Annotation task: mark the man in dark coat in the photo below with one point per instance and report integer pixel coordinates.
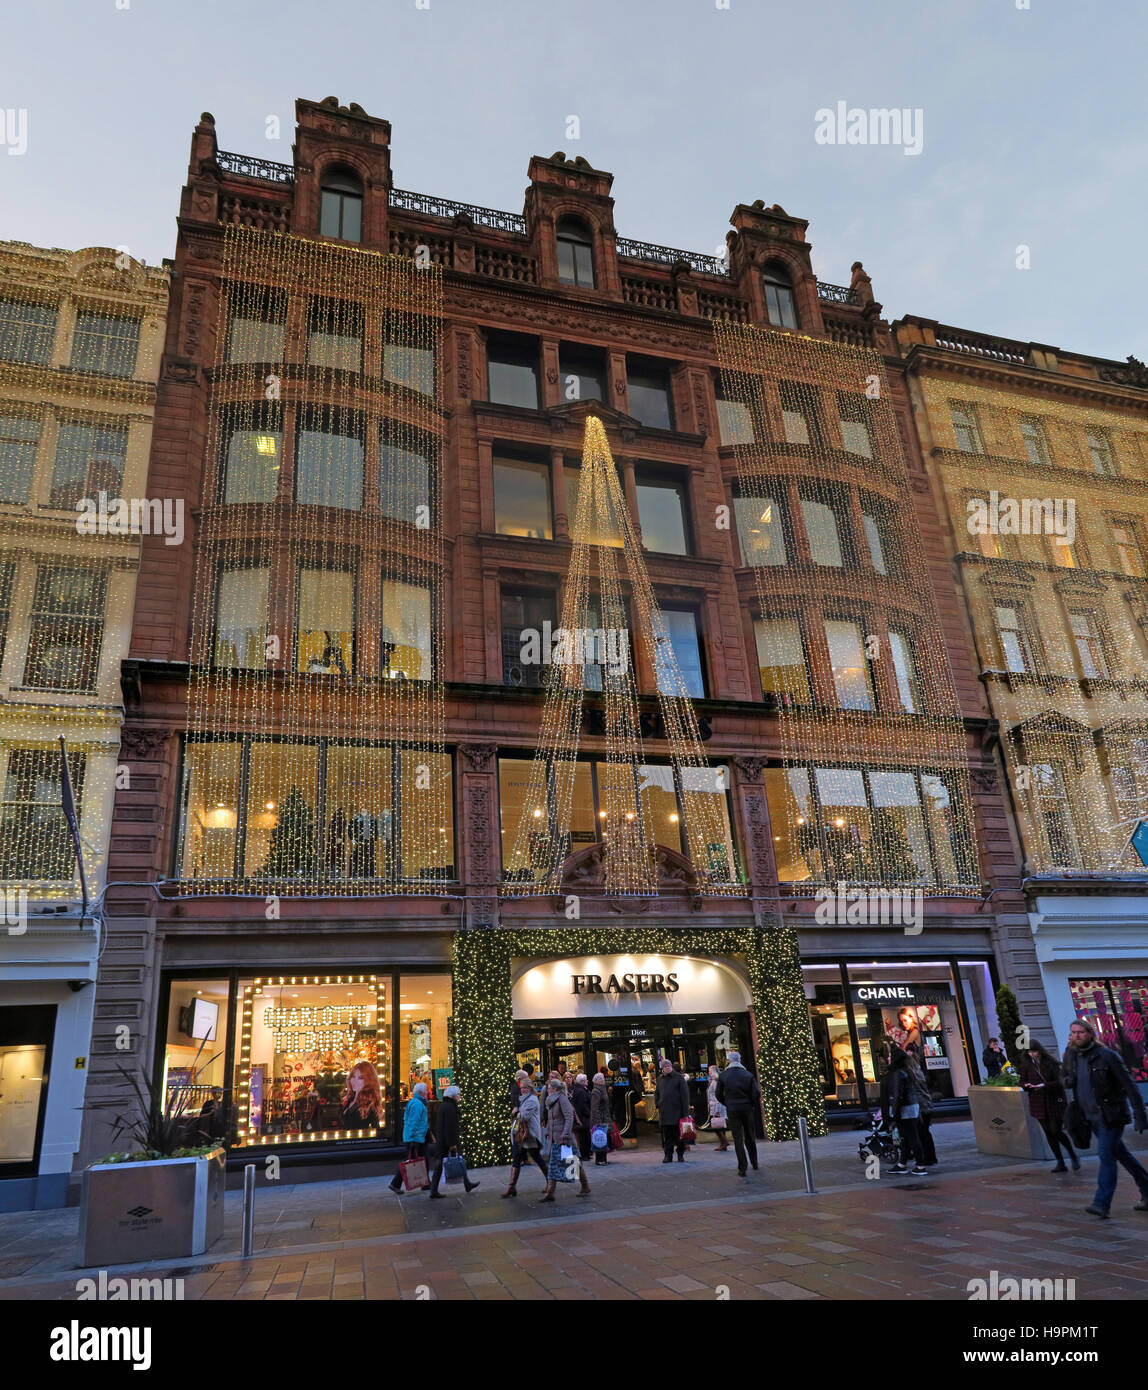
(1104, 1090)
(447, 1135)
(580, 1100)
(672, 1098)
(738, 1091)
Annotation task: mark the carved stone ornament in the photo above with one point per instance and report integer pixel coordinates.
(136, 741)
(478, 755)
(751, 768)
(585, 870)
(984, 780)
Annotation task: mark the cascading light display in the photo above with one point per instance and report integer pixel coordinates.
(849, 639)
(315, 759)
(598, 635)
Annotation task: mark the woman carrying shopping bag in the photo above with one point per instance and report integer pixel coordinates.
(564, 1165)
(415, 1136)
(718, 1122)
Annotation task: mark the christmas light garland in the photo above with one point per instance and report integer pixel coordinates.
(483, 1055)
(866, 706)
(318, 612)
(1075, 719)
(543, 833)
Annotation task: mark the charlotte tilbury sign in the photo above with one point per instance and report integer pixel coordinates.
(611, 986)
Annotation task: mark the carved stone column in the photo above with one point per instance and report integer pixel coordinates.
(481, 853)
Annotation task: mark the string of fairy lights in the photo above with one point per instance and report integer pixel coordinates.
(318, 616)
(1048, 511)
(850, 644)
(595, 603)
(76, 396)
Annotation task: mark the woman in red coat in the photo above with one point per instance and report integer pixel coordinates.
(1047, 1101)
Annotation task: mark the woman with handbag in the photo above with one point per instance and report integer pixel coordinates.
(448, 1137)
(924, 1099)
(718, 1119)
(1047, 1102)
(526, 1136)
(600, 1117)
(560, 1129)
(416, 1126)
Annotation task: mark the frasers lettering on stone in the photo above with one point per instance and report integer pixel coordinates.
(625, 984)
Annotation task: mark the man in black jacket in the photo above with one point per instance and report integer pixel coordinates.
(672, 1098)
(738, 1091)
(447, 1135)
(1103, 1089)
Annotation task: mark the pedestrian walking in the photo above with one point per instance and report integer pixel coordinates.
(416, 1127)
(738, 1091)
(1047, 1101)
(718, 1120)
(672, 1097)
(514, 1090)
(924, 1096)
(580, 1100)
(526, 1137)
(600, 1114)
(447, 1138)
(560, 1129)
(993, 1057)
(905, 1112)
(1104, 1091)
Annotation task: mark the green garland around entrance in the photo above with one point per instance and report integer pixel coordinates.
(484, 1056)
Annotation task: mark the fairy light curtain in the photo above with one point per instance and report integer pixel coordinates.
(1049, 510)
(596, 635)
(315, 755)
(849, 641)
(69, 346)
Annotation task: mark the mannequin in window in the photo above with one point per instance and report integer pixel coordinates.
(363, 829)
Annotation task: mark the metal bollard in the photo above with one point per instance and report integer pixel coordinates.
(806, 1156)
(248, 1210)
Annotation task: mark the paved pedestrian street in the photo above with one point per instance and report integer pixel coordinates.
(653, 1231)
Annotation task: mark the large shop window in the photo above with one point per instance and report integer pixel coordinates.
(832, 824)
(194, 1056)
(312, 1059)
(1118, 1010)
(25, 1054)
(265, 810)
(35, 842)
(908, 1006)
(665, 800)
(423, 1019)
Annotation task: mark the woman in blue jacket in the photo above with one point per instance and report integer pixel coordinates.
(415, 1122)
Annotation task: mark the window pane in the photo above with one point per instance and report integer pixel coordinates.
(682, 631)
(406, 635)
(524, 616)
(211, 773)
(404, 483)
(850, 668)
(781, 661)
(965, 429)
(821, 528)
(650, 398)
(328, 470)
(67, 624)
(88, 461)
(735, 422)
(704, 794)
(596, 524)
(424, 1015)
(522, 499)
(426, 801)
(410, 366)
(512, 374)
(661, 514)
(255, 340)
(514, 800)
(325, 622)
(359, 830)
(873, 536)
(566, 272)
(241, 618)
(846, 824)
(656, 783)
(779, 305)
(760, 533)
(26, 332)
(253, 466)
(950, 835)
(900, 842)
(1014, 646)
(796, 425)
(35, 841)
(193, 1079)
(19, 439)
(282, 832)
(905, 672)
(105, 345)
(796, 846)
(583, 376)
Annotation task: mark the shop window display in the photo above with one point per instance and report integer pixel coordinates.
(1118, 1010)
(424, 1014)
(312, 1059)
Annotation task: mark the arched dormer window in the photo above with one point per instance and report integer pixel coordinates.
(575, 254)
(779, 305)
(341, 206)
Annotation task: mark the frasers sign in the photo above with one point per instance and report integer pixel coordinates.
(614, 986)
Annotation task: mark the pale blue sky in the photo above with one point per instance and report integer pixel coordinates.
(1034, 127)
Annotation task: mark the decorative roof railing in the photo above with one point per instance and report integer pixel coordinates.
(982, 345)
(252, 168)
(448, 208)
(670, 255)
(836, 294)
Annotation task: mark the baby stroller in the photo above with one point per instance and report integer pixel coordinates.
(882, 1141)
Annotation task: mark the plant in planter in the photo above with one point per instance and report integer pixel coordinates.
(162, 1196)
(1008, 1016)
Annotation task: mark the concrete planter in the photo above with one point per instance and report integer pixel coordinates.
(1002, 1124)
(157, 1209)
